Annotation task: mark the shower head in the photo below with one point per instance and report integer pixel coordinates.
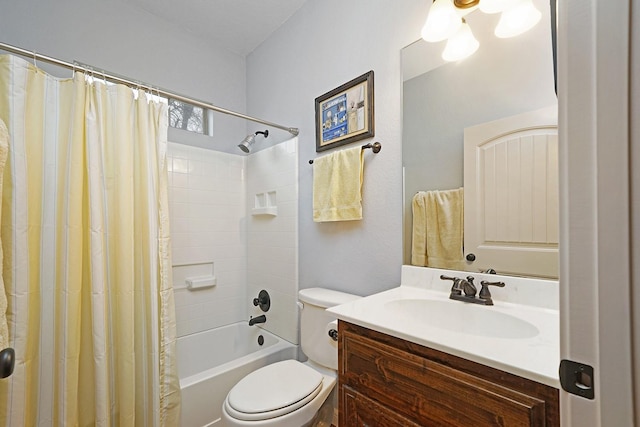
(246, 143)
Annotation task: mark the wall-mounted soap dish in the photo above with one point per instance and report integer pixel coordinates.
(265, 204)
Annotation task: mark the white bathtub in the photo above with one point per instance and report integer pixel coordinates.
(210, 363)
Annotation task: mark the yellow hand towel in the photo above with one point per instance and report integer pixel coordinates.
(337, 186)
(438, 239)
(4, 330)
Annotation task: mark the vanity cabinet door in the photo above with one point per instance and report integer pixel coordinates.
(430, 388)
(361, 411)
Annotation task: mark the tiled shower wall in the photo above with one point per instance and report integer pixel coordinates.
(214, 232)
(273, 239)
(208, 231)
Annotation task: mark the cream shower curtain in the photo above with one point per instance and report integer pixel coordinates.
(85, 238)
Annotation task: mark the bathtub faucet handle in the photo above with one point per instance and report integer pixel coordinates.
(263, 300)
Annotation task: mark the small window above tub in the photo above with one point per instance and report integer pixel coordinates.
(189, 117)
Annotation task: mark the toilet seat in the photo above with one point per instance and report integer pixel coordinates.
(273, 391)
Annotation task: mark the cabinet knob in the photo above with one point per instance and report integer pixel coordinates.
(471, 257)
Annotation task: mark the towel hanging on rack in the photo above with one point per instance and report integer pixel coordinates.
(337, 186)
(438, 229)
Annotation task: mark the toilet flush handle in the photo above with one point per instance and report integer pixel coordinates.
(333, 334)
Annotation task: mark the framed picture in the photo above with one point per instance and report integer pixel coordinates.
(345, 114)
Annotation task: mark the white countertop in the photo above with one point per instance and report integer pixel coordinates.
(536, 356)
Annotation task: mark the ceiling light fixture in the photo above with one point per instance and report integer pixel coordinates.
(445, 22)
(442, 21)
(517, 19)
(494, 6)
(460, 45)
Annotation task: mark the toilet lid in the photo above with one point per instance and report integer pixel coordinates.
(274, 390)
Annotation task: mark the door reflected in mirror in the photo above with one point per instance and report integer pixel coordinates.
(504, 78)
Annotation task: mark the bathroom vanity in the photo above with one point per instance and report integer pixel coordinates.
(410, 356)
(386, 381)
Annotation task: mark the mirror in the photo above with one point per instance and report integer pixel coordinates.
(503, 78)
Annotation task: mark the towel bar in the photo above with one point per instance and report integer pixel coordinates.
(376, 147)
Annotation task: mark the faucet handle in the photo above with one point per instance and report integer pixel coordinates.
(484, 292)
(455, 288)
(468, 286)
(263, 300)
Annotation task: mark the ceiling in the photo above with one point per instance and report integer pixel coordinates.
(237, 25)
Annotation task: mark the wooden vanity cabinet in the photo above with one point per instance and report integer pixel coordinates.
(384, 381)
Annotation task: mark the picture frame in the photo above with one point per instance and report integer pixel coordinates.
(345, 114)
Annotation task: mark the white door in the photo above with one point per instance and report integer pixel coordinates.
(599, 144)
(511, 194)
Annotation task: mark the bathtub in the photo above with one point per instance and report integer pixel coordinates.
(210, 363)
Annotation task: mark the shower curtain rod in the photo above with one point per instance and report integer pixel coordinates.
(135, 84)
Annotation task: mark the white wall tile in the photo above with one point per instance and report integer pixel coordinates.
(195, 198)
(211, 196)
(180, 180)
(272, 241)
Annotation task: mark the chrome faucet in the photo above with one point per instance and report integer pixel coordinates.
(467, 287)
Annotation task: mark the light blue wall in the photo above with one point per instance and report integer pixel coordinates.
(325, 44)
(122, 39)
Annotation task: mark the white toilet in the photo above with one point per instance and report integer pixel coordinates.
(290, 393)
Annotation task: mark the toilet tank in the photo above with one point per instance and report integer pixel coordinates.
(317, 345)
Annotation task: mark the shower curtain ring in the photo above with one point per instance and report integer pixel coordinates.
(35, 62)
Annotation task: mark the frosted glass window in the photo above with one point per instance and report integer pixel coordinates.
(185, 116)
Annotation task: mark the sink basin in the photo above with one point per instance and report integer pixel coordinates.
(462, 318)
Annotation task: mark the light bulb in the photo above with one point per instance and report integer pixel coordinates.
(442, 21)
(460, 45)
(518, 19)
(495, 6)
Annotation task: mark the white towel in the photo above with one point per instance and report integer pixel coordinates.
(337, 186)
(438, 225)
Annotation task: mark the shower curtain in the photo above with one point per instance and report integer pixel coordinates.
(86, 254)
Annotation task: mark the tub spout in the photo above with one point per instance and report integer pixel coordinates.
(259, 319)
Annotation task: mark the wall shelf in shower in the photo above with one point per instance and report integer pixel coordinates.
(271, 211)
(265, 204)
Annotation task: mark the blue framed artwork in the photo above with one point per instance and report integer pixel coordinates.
(345, 114)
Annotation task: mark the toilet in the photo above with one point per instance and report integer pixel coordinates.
(290, 393)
